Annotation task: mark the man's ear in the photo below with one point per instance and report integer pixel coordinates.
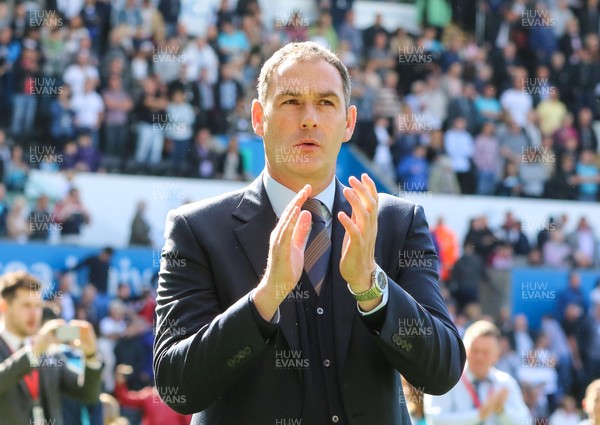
(258, 114)
(350, 123)
(3, 305)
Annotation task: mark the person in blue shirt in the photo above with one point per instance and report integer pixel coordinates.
(588, 176)
(413, 171)
(572, 294)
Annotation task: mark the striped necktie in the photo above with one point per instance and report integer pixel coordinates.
(318, 247)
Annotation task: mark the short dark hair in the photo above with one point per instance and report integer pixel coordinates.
(306, 51)
(11, 282)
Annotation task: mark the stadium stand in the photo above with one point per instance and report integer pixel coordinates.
(489, 98)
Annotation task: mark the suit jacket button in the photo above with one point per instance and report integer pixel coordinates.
(335, 419)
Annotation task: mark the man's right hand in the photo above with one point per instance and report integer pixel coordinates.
(286, 256)
(486, 409)
(501, 397)
(46, 336)
(494, 404)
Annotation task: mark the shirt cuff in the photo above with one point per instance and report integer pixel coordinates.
(266, 328)
(383, 303)
(93, 363)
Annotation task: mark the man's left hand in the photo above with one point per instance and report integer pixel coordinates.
(358, 248)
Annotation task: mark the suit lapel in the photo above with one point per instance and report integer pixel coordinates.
(5, 352)
(344, 305)
(259, 220)
(47, 375)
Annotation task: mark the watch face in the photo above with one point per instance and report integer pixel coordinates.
(381, 280)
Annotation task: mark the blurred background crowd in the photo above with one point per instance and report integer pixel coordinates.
(497, 98)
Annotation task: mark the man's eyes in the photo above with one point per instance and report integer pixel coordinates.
(326, 102)
(295, 102)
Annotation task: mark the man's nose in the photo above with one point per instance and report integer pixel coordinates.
(309, 118)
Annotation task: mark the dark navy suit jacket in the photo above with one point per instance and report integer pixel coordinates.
(209, 348)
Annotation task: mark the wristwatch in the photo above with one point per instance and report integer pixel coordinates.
(378, 285)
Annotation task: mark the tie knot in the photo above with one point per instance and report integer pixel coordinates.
(313, 206)
(478, 382)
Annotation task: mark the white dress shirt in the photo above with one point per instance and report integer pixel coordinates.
(13, 341)
(457, 406)
(280, 196)
(16, 343)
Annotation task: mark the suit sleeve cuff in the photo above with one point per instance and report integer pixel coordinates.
(267, 329)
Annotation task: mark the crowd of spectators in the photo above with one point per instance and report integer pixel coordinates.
(124, 324)
(123, 86)
(102, 86)
(45, 221)
(555, 363)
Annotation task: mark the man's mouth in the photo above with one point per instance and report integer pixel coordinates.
(308, 142)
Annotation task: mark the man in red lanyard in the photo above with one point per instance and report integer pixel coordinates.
(33, 372)
(591, 404)
(484, 394)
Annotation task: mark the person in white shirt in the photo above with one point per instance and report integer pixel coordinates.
(516, 101)
(89, 111)
(591, 404)
(383, 155)
(460, 147)
(199, 54)
(112, 328)
(566, 414)
(76, 74)
(538, 371)
(69, 8)
(484, 394)
(180, 127)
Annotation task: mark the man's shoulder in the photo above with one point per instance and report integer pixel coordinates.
(502, 377)
(396, 205)
(386, 199)
(220, 204)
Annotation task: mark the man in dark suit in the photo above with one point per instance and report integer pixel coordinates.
(32, 374)
(314, 323)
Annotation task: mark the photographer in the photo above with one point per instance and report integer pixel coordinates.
(33, 372)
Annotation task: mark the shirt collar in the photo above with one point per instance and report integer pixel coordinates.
(280, 195)
(13, 341)
(471, 377)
